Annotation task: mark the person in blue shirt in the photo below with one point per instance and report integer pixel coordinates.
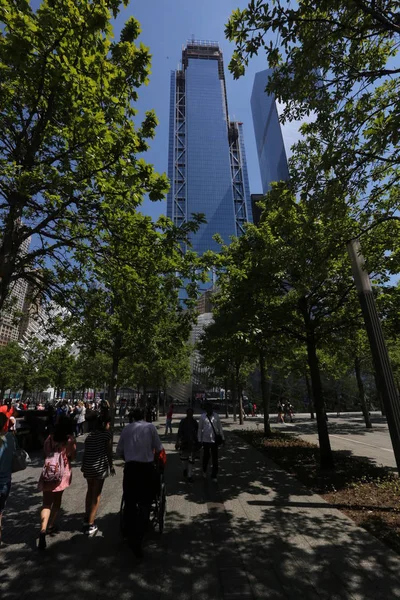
(7, 447)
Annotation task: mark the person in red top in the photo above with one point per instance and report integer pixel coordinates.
(9, 412)
(168, 424)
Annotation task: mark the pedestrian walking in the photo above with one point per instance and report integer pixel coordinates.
(122, 410)
(168, 423)
(210, 436)
(187, 443)
(280, 408)
(105, 411)
(12, 424)
(7, 449)
(59, 450)
(97, 464)
(79, 416)
(9, 411)
(139, 446)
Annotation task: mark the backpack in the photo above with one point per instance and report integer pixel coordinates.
(54, 466)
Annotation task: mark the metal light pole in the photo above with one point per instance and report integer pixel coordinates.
(379, 351)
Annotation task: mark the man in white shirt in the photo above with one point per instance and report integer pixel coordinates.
(139, 446)
(211, 436)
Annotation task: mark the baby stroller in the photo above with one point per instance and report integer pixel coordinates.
(159, 504)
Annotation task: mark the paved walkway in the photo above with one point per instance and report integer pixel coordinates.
(258, 534)
(347, 433)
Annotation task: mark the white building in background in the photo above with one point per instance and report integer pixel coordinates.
(183, 392)
(11, 315)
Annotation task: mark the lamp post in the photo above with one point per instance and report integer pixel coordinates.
(379, 351)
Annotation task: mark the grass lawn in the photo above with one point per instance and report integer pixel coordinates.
(369, 494)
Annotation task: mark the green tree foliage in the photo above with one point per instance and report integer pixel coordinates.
(335, 60)
(35, 374)
(60, 364)
(128, 307)
(290, 280)
(226, 351)
(92, 371)
(69, 148)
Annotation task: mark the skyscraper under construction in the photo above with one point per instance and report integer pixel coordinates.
(207, 162)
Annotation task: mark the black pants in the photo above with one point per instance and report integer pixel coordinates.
(139, 486)
(213, 448)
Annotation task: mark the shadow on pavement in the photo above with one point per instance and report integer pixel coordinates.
(257, 534)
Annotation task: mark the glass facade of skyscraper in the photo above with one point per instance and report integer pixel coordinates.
(268, 133)
(207, 163)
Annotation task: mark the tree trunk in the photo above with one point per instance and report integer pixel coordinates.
(226, 398)
(239, 393)
(361, 393)
(24, 392)
(164, 408)
(10, 247)
(144, 397)
(83, 394)
(326, 457)
(240, 407)
(233, 390)
(112, 393)
(265, 394)
(158, 404)
(309, 394)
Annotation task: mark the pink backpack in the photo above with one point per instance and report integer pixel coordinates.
(54, 465)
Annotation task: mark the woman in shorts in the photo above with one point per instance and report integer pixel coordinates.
(60, 442)
(97, 462)
(7, 447)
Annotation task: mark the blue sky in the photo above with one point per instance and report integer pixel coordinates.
(166, 26)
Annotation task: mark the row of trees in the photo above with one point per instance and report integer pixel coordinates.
(31, 370)
(286, 291)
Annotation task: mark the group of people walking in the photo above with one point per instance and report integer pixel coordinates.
(207, 433)
(56, 476)
(285, 411)
(139, 445)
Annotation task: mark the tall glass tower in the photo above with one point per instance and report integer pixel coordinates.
(268, 133)
(207, 162)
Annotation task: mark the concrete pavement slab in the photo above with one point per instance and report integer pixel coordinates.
(256, 534)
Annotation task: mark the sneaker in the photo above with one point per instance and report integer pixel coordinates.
(91, 530)
(214, 479)
(42, 541)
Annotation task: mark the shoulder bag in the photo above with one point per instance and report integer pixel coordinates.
(218, 436)
(20, 458)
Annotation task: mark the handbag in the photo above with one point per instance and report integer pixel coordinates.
(20, 459)
(218, 437)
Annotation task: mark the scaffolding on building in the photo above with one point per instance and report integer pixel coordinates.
(238, 188)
